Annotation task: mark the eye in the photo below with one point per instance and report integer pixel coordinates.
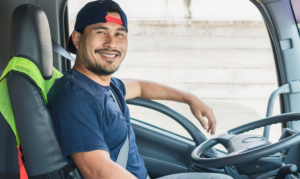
(119, 34)
(100, 32)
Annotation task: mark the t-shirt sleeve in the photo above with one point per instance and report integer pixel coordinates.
(119, 84)
(78, 124)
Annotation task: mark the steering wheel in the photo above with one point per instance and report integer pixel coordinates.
(246, 155)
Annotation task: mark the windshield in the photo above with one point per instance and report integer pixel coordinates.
(218, 50)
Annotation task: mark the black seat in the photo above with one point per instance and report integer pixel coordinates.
(30, 38)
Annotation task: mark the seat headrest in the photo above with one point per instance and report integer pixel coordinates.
(30, 37)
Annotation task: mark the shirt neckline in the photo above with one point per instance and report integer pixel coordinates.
(87, 82)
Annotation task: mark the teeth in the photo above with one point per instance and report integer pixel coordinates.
(107, 55)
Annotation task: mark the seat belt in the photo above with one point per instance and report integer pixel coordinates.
(123, 153)
(60, 50)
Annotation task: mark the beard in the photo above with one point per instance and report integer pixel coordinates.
(99, 69)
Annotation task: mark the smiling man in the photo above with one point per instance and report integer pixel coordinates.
(91, 126)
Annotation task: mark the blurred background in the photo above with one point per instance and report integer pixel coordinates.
(218, 50)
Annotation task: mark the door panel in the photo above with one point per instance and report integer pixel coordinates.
(162, 150)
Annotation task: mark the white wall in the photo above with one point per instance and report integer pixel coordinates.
(227, 10)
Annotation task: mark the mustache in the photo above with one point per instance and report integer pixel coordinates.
(107, 50)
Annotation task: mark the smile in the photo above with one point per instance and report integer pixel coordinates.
(109, 55)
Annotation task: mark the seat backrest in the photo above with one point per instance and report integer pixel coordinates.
(30, 38)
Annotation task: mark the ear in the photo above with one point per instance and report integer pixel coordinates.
(76, 38)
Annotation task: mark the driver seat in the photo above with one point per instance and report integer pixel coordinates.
(31, 43)
(31, 39)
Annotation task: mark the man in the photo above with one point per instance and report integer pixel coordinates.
(89, 125)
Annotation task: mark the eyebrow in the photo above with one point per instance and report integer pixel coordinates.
(100, 27)
(122, 29)
(105, 28)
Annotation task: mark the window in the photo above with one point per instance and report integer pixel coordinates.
(157, 119)
(218, 50)
(296, 9)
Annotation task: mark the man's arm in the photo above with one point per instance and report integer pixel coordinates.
(151, 90)
(97, 164)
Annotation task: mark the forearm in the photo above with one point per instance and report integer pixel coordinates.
(96, 165)
(156, 91)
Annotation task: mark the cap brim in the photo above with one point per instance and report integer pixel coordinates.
(70, 46)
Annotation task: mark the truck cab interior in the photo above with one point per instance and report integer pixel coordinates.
(26, 34)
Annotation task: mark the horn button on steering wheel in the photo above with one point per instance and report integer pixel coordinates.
(252, 139)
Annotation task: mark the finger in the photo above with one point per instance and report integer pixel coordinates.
(213, 130)
(209, 127)
(202, 122)
(212, 121)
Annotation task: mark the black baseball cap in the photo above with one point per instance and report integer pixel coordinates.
(92, 13)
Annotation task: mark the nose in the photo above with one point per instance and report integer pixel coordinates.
(110, 42)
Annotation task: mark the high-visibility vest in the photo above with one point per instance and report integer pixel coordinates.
(27, 67)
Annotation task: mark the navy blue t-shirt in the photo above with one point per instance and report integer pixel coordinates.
(86, 118)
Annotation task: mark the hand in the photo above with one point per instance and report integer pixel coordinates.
(200, 110)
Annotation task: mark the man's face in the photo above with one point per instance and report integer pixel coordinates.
(103, 46)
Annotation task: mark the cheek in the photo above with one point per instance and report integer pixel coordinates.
(93, 41)
(124, 45)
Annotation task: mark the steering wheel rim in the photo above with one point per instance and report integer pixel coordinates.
(251, 155)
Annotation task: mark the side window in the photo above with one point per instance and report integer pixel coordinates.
(296, 9)
(157, 119)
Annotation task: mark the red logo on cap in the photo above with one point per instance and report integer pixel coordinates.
(113, 19)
